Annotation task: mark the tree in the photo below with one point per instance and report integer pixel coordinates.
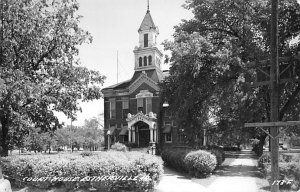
(40, 70)
(33, 141)
(242, 28)
(93, 133)
(198, 69)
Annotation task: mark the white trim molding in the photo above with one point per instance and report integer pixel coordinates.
(148, 119)
(143, 78)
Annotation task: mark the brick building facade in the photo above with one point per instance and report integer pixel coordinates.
(133, 110)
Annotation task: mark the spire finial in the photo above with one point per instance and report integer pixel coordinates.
(148, 6)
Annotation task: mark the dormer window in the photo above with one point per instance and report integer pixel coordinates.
(146, 40)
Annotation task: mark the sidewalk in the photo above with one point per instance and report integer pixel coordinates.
(238, 173)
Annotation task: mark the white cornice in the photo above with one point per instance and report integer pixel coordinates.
(150, 119)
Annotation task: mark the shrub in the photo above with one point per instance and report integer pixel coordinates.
(196, 163)
(289, 169)
(216, 151)
(220, 156)
(86, 153)
(200, 163)
(119, 147)
(146, 169)
(263, 160)
(231, 148)
(175, 158)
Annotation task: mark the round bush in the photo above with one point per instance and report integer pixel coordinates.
(263, 160)
(175, 158)
(200, 163)
(119, 147)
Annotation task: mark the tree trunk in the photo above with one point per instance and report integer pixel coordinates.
(4, 139)
(261, 144)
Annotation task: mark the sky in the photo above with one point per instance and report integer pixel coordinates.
(113, 25)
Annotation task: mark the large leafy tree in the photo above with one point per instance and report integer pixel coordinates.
(242, 28)
(40, 70)
(198, 67)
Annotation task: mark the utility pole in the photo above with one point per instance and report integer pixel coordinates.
(274, 78)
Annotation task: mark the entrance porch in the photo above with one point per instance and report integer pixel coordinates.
(142, 129)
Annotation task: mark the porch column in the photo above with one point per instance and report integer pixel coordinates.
(129, 134)
(151, 134)
(155, 139)
(133, 134)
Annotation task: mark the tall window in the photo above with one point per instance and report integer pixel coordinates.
(145, 60)
(112, 111)
(168, 132)
(146, 40)
(140, 62)
(139, 104)
(125, 107)
(150, 60)
(148, 105)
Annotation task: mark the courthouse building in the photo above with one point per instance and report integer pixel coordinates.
(133, 110)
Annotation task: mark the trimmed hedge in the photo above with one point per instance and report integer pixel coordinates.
(142, 171)
(174, 158)
(198, 163)
(216, 151)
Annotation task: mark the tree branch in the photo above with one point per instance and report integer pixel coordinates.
(46, 54)
(290, 101)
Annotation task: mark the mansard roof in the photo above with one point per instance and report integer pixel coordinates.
(147, 22)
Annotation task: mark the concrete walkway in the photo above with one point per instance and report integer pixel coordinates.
(238, 173)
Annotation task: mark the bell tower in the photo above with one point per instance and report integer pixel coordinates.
(147, 55)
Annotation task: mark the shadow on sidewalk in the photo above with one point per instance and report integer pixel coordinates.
(240, 155)
(238, 170)
(177, 174)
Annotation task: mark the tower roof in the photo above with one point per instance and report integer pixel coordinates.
(147, 22)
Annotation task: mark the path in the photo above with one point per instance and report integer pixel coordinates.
(238, 173)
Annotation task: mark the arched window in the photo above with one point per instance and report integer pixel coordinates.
(140, 62)
(150, 60)
(145, 60)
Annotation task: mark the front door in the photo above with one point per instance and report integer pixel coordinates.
(144, 138)
(143, 134)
